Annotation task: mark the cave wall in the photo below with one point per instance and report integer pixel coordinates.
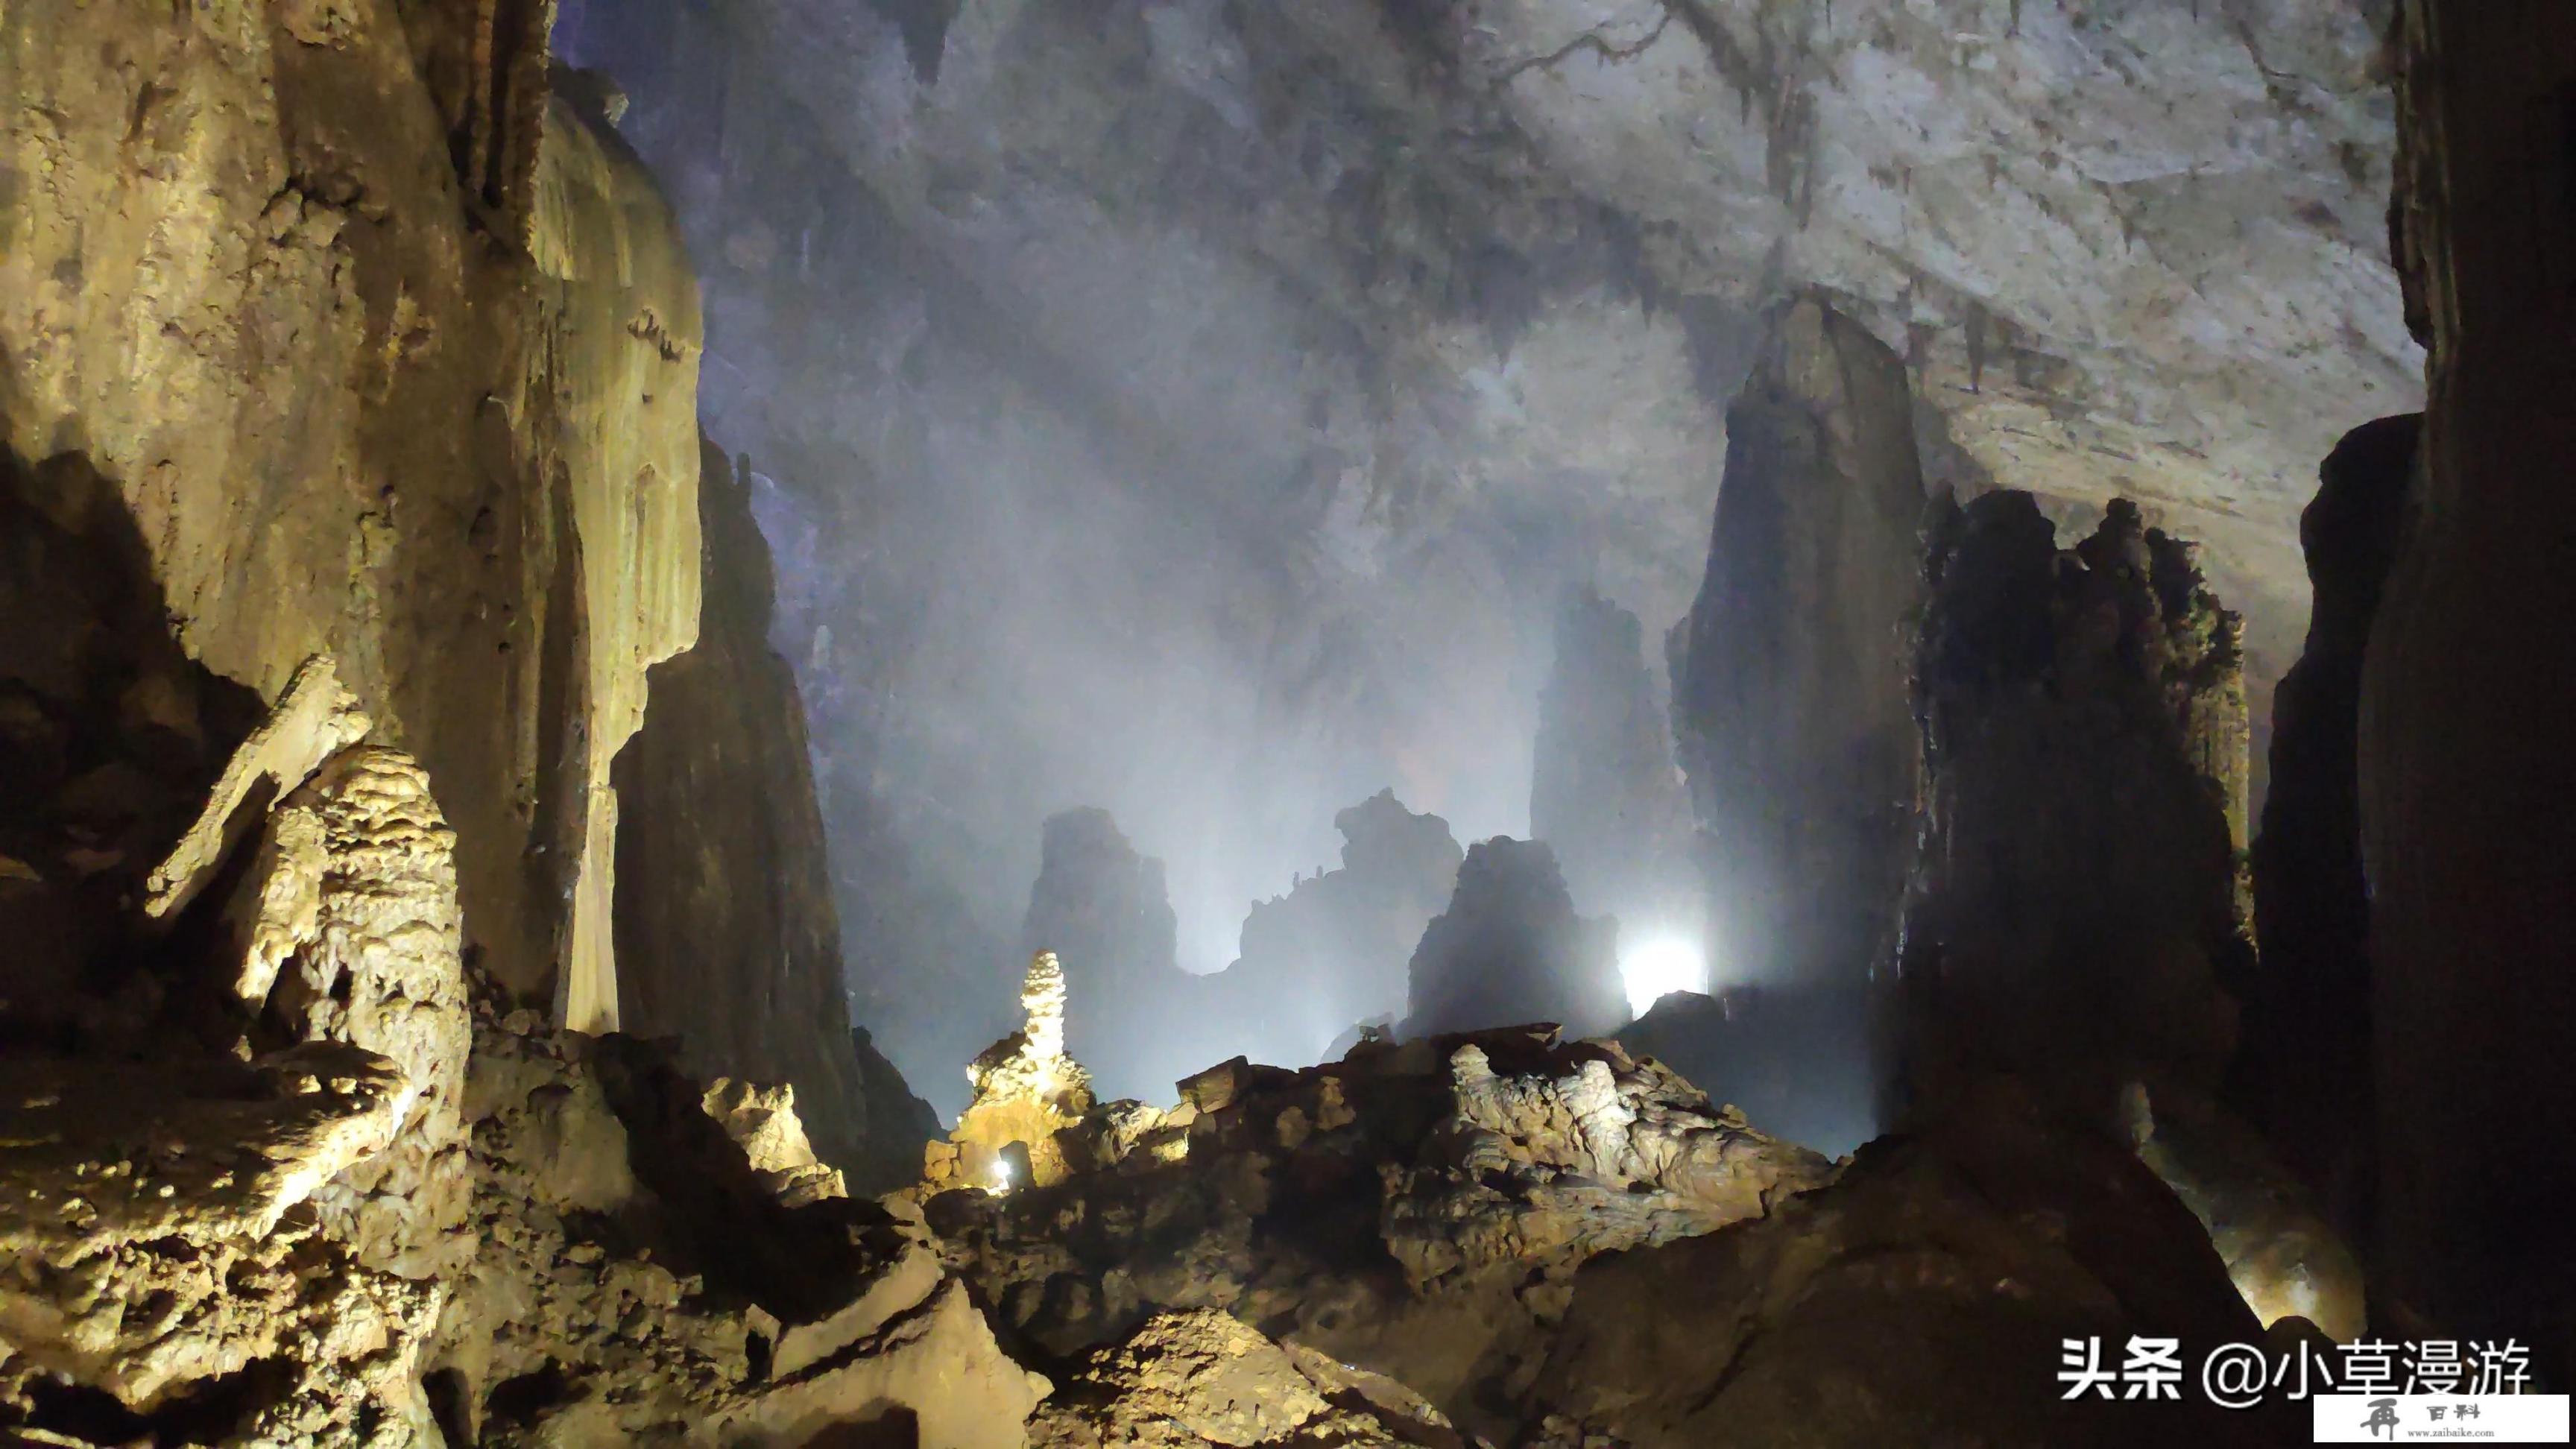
(1312, 350)
(726, 936)
(2465, 770)
(2072, 912)
(380, 350)
(2304, 1071)
(356, 407)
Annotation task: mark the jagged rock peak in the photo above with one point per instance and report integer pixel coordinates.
(1511, 949)
(1415, 1210)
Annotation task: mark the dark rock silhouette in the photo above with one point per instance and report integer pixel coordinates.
(2073, 909)
(1510, 950)
(1331, 954)
(2466, 773)
(722, 848)
(1102, 909)
(2304, 1074)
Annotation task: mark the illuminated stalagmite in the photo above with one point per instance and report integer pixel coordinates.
(1026, 1091)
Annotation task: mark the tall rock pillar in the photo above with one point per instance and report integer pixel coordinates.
(1789, 676)
(2466, 765)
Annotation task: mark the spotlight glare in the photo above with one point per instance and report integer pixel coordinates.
(1659, 965)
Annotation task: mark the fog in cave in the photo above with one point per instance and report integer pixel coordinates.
(1032, 724)
(1080, 509)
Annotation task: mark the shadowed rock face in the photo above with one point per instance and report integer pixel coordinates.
(1789, 695)
(1797, 1059)
(728, 876)
(2465, 768)
(1511, 949)
(2073, 910)
(1916, 1300)
(2304, 1072)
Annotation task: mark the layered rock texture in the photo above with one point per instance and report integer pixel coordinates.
(2462, 749)
(334, 331)
(281, 1182)
(1789, 697)
(1511, 949)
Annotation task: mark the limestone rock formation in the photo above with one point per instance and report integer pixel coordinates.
(640, 1278)
(1330, 955)
(1412, 1210)
(2465, 769)
(727, 939)
(618, 299)
(255, 1232)
(1102, 910)
(1189, 1379)
(2282, 1254)
(1356, 327)
(1511, 949)
(2073, 912)
(762, 1121)
(1604, 794)
(370, 350)
(1799, 1060)
(1530, 1165)
(1917, 1299)
(287, 1185)
(1789, 676)
(2304, 1073)
(1027, 1091)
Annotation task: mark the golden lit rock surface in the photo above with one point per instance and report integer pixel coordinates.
(1188, 1379)
(1026, 1091)
(1415, 1210)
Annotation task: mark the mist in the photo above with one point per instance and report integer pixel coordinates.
(1162, 508)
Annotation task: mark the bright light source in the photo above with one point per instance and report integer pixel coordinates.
(1001, 1176)
(1658, 965)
